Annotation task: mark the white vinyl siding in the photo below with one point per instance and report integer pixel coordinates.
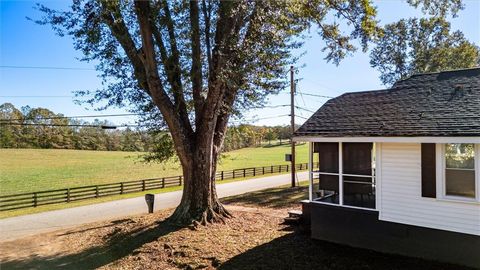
(401, 199)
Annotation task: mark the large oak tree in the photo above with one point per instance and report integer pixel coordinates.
(189, 66)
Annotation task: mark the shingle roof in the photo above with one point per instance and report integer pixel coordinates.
(433, 104)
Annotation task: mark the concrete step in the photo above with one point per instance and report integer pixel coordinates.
(291, 220)
(295, 213)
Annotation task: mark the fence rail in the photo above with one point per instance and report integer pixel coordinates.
(66, 195)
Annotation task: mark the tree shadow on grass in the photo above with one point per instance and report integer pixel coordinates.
(117, 247)
(299, 251)
(273, 197)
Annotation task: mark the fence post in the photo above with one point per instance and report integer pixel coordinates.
(222, 175)
(233, 173)
(254, 170)
(180, 182)
(271, 169)
(243, 172)
(34, 199)
(301, 165)
(96, 191)
(121, 188)
(263, 170)
(279, 168)
(163, 182)
(143, 185)
(287, 167)
(68, 195)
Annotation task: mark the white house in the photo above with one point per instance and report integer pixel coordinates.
(399, 169)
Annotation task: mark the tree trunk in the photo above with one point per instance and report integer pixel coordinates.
(199, 199)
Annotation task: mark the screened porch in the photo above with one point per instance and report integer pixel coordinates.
(345, 174)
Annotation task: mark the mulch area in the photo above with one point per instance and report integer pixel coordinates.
(255, 238)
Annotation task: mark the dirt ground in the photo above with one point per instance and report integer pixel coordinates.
(255, 238)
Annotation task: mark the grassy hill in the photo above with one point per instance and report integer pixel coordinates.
(27, 170)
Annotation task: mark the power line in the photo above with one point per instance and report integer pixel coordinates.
(123, 125)
(301, 95)
(128, 114)
(313, 95)
(316, 95)
(70, 125)
(301, 117)
(272, 106)
(256, 119)
(78, 116)
(44, 67)
(36, 96)
(55, 96)
(301, 108)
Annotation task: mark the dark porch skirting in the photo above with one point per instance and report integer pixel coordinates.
(361, 228)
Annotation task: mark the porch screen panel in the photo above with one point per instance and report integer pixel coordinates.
(327, 157)
(357, 158)
(328, 169)
(358, 181)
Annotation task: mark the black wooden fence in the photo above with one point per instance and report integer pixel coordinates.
(65, 195)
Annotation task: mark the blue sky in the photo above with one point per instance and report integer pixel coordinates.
(23, 43)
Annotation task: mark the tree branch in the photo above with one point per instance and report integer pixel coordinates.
(173, 77)
(117, 26)
(231, 94)
(222, 119)
(177, 127)
(223, 43)
(196, 71)
(206, 17)
(173, 68)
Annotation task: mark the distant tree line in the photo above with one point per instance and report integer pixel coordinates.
(42, 128)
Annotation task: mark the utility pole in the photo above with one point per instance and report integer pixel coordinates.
(292, 122)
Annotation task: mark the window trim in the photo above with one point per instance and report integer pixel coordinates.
(441, 176)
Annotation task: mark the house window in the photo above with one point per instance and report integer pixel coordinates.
(459, 172)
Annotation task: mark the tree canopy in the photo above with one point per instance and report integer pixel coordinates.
(421, 45)
(190, 65)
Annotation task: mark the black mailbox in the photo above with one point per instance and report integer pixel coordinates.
(288, 157)
(150, 199)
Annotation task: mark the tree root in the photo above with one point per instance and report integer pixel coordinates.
(183, 215)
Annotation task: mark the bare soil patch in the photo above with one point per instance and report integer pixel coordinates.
(255, 238)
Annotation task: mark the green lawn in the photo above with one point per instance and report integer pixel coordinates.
(27, 170)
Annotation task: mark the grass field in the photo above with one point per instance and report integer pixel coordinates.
(27, 170)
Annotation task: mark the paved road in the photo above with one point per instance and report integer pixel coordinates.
(18, 227)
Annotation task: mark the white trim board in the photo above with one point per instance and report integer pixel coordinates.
(390, 139)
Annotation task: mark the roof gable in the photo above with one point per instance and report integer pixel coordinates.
(434, 104)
